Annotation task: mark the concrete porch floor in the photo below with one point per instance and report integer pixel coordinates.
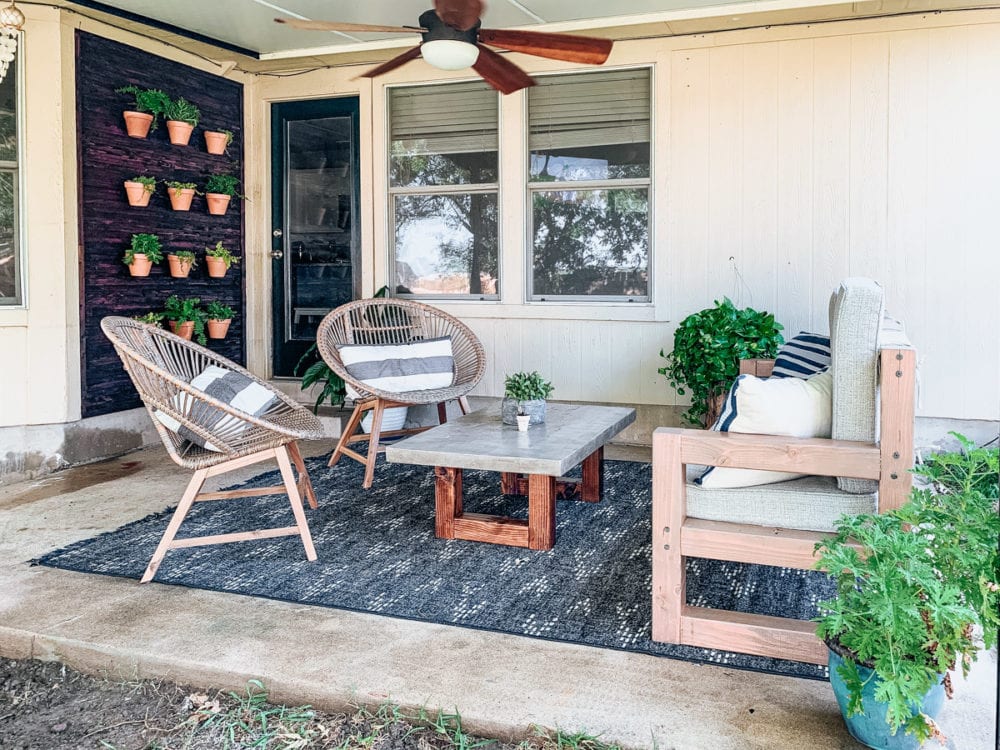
(501, 684)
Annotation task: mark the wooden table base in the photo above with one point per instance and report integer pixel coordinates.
(539, 531)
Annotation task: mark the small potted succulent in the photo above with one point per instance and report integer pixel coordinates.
(219, 317)
(144, 251)
(182, 116)
(139, 189)
(150, 318)
(185, 317)
(524, 394)
(217, 141)
(219, 190)
(149, 104)
(181, 194)
(181, 262)
(219, 259)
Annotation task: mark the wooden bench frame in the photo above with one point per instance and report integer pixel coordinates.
(676, 536)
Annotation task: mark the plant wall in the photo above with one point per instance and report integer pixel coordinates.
(107, 157)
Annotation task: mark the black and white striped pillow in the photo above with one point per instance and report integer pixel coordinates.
(803, 356)
(417, 366)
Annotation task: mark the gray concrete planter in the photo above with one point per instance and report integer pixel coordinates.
(535, 409)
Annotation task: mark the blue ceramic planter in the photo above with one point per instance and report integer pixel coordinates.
(870, 727)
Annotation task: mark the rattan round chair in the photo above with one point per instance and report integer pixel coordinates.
(395, 321)
(161, 365)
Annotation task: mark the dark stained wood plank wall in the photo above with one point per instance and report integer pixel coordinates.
(107, 157)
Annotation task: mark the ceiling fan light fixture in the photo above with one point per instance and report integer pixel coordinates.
(449, 54)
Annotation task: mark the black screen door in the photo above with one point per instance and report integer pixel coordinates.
(315, 228)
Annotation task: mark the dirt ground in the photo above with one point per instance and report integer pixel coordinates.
(47, 706)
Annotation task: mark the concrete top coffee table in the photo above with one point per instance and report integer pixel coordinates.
(571, 435)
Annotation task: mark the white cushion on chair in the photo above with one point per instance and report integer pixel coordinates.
(771, 406)
(417, 366)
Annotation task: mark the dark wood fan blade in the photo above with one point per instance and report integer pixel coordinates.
(568, 47)
(397, 61)
(459, 14)
(501, 74)
(304, 25)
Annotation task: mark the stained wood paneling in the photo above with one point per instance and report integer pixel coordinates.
(107, 157)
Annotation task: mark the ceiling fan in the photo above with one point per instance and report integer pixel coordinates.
(453, 39)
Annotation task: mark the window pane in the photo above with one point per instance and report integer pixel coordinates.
(590, 126)
(591, 242)
(443, 135)
(446, 244)
(9, 281)
(8, 115)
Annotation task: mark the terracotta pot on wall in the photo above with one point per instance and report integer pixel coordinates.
(140, 265)
(185, 330)
(137, 124)
(180, 200)
(137, 194)
(179, 268)
(179, 132)
(216, 267)
(216, 142)
(217, 329)
(218, 203)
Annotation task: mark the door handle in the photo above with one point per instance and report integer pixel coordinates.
(277, 253)
(276, 233)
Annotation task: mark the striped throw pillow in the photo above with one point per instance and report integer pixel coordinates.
(229, 387)
(802, 356)
(417, 366)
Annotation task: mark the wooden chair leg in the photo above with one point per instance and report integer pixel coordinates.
(669, 512)
(305, 483)
(187, 499)
(463, 404)
(442, 412)
(348, 432)
(373, 443)
(293, 496)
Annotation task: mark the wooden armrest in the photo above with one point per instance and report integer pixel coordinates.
(831, 458)
(759, 367)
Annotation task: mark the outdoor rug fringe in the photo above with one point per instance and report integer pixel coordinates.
(378, 554)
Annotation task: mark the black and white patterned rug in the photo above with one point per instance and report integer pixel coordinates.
(378, 553)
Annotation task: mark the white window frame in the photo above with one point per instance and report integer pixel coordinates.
(17, 167)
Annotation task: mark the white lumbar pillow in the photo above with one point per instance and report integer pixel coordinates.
(773, 406)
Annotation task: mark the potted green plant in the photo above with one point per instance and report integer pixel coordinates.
(219, 259)
(139, 189)
(182, 117)
(219, 316)
(185, 317)
(148, 105)
(150, 318)
(181, 194)
(144, 251)
(524, 394)
(708, 347)
(912, 586)
(181, 262)
(217, 141)
(219, 190)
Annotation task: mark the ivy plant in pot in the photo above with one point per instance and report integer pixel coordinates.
(144, 251)
(219, 259)
(708, 347)
(181, 262)
(219, 316)
(912, 586)
(139, 190)
(147, 107)
(182, 117)
(185, 317)
(150, 318)
(217, 141)
(181, 194)
(220, 189)
(524, 393)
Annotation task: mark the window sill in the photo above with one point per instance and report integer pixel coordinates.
(624, 311)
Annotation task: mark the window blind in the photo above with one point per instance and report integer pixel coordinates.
(453, 118)
(589, 109)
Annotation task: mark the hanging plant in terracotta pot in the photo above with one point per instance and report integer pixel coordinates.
(219, 259)
(139, 190)
(148, 105)
(217, 141)
(144, 251)
(185, 317)
(220, 189)
(182, 117)
(181, 263)
(181, 194)
(219, 317)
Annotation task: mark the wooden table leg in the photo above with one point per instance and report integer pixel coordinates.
(447, 500)
(593, 477)
(541, 511)
(509, 483)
